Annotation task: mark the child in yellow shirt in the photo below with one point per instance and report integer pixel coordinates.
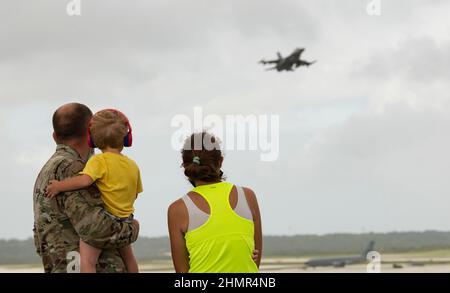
(116, 176)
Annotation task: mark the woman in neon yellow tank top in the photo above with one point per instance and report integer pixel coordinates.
(207, 232)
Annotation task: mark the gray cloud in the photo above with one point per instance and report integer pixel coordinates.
(392, 165)
(362, 131)
(423, 60)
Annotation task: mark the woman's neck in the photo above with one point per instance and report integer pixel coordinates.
(200, 182)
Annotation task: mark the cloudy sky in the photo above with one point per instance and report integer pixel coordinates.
(364, 142)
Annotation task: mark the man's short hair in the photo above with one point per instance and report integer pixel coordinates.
(71, 121)
(108, 129)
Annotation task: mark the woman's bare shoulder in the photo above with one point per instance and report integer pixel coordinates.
(251, 197)
(249, 192)
(177, 208)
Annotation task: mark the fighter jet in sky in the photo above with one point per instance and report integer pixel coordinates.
(289, 62)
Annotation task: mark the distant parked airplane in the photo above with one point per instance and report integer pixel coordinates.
(341, 261)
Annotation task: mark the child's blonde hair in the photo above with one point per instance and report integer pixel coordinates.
(108, 129)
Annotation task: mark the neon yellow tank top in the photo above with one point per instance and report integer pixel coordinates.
(225, 243)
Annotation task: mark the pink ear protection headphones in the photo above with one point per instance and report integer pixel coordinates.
(127, 140)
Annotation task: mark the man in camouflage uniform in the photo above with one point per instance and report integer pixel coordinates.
(60, 222)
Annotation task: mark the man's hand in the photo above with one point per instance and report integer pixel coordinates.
(52, 189)
(255, 255)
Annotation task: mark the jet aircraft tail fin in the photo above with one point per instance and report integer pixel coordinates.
(369, 248)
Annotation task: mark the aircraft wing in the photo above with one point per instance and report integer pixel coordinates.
(268, 61)
(299, 63)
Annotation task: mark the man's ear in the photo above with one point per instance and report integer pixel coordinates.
(55, 138)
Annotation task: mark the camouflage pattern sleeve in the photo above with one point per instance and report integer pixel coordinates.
(94, 226)
(57, 221)
(85, 211)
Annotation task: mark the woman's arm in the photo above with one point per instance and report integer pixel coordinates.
(176, 218)
(253, 204)
(70, 184)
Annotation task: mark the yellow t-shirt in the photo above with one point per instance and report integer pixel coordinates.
(118, 179)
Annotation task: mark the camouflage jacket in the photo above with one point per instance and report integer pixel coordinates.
(60, 222)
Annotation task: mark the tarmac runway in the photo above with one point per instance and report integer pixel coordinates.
(279, 265)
